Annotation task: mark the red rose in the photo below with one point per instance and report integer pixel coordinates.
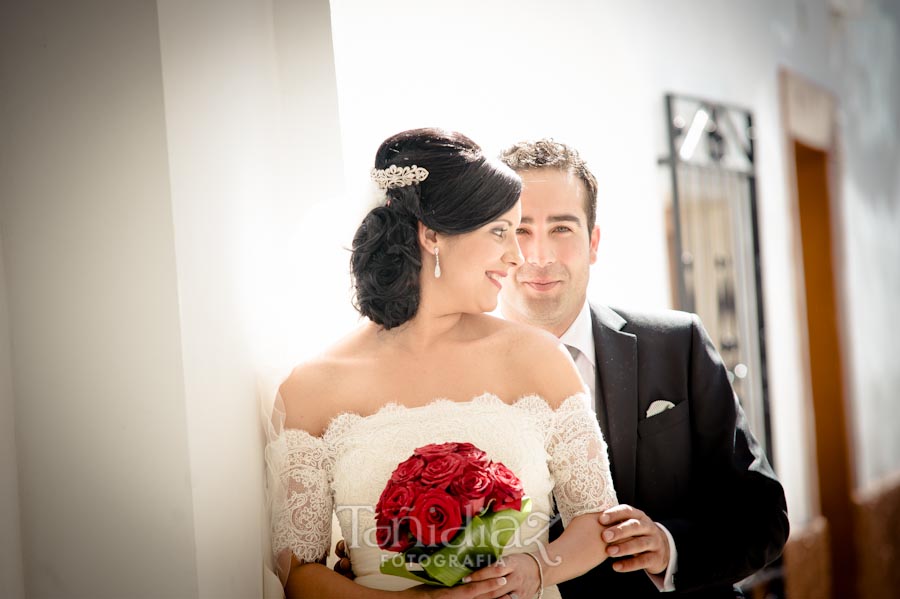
(508, 492)
(435, 517)
(435, 450)
(440, 471)
(396, 500)
(472, 455)
(392, 534)
(408, 470)
(472, 487)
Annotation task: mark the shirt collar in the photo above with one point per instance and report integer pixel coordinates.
(580, 334)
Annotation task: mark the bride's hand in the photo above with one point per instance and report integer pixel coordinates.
(520, 572)
(493, 588)
(493, 582)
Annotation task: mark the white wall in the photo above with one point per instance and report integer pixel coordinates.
(254, 153)
(868, 57)
(169, 184)
(12, 581)
(104, 478)
(594, 74)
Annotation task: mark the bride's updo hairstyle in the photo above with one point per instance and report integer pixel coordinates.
(463, 191)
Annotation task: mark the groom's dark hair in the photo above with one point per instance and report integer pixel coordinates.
(547, 153)
(463, 191)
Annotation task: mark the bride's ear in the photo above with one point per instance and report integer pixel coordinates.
(427, 238)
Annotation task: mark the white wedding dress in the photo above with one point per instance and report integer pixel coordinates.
(556, 453)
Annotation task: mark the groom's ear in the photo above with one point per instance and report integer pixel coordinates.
(427, 238)
(595, 241)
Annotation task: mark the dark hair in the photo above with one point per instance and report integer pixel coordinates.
(547, 153)
(463, 191)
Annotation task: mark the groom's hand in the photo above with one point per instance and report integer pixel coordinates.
(634, 540)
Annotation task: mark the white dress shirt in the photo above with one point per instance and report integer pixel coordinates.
(579, 340)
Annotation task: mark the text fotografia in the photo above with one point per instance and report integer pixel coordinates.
(424, 561)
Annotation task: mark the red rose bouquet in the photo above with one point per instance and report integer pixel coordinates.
(447, 511)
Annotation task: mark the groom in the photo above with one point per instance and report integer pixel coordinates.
(701, 508)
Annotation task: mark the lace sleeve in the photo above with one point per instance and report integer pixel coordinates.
(579, 463)
(299, 472)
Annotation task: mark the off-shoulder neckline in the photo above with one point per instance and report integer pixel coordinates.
(529, 399)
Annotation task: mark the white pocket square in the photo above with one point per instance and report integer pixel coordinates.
(658, 407)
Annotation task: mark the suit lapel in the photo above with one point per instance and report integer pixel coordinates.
(617, 373)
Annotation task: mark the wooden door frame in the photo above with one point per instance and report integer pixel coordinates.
(809, 115)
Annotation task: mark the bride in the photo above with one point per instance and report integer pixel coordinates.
(431, 367)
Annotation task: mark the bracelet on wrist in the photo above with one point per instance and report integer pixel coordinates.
(540, 593)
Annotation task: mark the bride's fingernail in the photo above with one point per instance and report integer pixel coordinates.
(467, 579)
(502, 580)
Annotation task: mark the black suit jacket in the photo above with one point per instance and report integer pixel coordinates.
(695, 468)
